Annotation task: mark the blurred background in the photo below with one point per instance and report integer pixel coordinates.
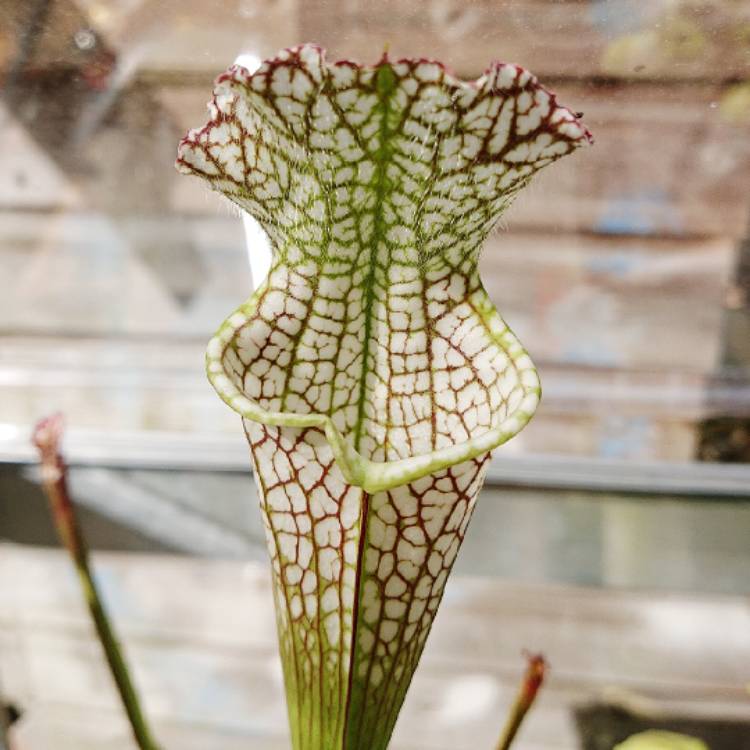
(614, 532)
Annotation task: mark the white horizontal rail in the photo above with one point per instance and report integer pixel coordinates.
(219, 452)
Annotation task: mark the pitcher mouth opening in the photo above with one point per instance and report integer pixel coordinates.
(225, 372)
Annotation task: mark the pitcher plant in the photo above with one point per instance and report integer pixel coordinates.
(371, 370)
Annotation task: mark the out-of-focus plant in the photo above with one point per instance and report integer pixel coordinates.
(687, 36)
(532, 681)
(734, 106)
(371, 370)
(47, 437)
(658, 740)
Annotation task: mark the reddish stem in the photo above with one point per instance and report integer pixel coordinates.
(46, 437)
(532, 681)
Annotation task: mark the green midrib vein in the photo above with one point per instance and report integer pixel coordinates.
(384, 87)
(385, 84)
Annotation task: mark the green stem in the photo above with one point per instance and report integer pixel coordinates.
(530, 685)
(47, 439)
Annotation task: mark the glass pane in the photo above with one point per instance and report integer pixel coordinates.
(623, 270)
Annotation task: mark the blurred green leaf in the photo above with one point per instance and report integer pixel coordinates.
(654, 740)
